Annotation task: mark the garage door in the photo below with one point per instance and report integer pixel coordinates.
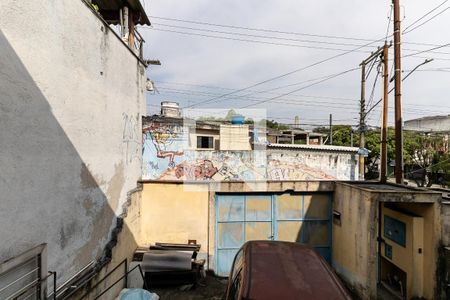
(303, 218)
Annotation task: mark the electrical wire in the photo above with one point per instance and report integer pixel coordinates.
(425, 15)
(423, 23)
(262, 29)
(285, 74)
(293, 84)
(255, 36)
(389, 22)
(256, 41)
(268, 42)
(302, 88)
(428, 50)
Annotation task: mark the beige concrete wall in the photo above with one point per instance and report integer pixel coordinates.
(445, 216)
(354, 240)
(234, 138)
(175, 213)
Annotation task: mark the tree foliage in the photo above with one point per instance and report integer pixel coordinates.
(425, 156)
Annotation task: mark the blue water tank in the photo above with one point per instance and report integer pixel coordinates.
(237, 120)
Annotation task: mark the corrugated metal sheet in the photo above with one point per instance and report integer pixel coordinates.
(315, 147)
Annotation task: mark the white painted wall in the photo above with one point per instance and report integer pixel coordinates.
(71, 100)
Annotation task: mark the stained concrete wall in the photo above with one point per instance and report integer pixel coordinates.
(446, 223)
(354, 240)
(71, 100)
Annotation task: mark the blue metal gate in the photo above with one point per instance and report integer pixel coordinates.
(303, 218)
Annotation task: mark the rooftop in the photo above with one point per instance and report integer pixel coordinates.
(109, 9)
(315, 147)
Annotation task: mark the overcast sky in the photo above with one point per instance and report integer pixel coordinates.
(197, 68)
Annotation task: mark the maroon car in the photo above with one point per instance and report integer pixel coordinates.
(282, 270)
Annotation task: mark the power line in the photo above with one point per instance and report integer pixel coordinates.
(421, 18)
(268, 42)
(421, 24)
(302, 88)
(262, 29)
(285, 74)
(428, 50)
(282, 32)
(205, 94)
(295, 84)
(257, 36)
(389, 22)
(293, 98)
(254, 41)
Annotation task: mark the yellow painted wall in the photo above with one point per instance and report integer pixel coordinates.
(175, 213)
(407, 258)
(431, 238)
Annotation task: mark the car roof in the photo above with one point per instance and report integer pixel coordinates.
(285, 270)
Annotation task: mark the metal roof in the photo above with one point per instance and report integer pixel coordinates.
(315, 147)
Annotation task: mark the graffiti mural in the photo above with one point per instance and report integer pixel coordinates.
(216, 166)
(167, 156)
(162, 148)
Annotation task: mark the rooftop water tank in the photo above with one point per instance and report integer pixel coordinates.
(237, 120)
(170, 109)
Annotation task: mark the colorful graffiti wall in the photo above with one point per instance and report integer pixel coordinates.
(167, 156)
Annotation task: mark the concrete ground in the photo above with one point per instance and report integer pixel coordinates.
(210, 287)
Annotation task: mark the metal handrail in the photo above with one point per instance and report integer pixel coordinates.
(125, 276)
(89, 278)
(74, 276)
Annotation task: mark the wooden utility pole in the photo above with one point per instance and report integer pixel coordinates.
(362, 112)
(362, 122)
(398, 96)
(331, 129)
(384, 130)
